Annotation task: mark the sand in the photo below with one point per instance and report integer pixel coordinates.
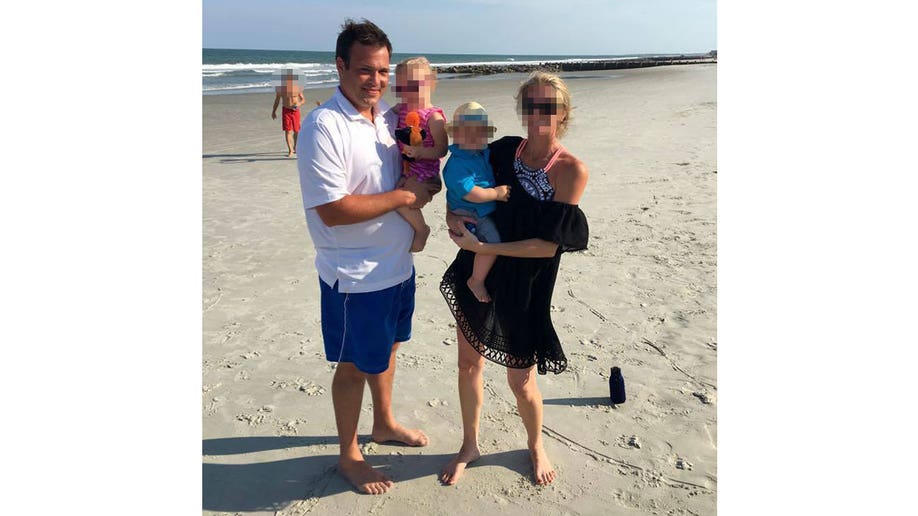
(643, 297)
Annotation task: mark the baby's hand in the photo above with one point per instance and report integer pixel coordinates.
(412, 151)
(503, 192)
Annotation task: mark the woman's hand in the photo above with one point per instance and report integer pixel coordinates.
(466, 240)
(456, 223)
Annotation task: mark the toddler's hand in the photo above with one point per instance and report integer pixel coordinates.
(503, 192)
(412, 151)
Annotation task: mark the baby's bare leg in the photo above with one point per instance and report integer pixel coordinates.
(480, 269)
(421, 229)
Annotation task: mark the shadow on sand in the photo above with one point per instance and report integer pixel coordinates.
(249, 158)
(272, 486)
(579, 402)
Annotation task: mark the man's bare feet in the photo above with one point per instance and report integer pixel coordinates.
(478, 288)
(542, 471)
(291, 154)
(420, 240)
(451, 473)
(364, 477)
(400, 434)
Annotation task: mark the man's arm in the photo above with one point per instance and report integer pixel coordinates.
(274, 110)
(355, 208)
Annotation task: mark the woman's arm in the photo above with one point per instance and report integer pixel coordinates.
(529, 248)
(572, 176)
(456, 223)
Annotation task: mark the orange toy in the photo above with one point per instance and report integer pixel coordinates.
(413, 120)
(411, 135)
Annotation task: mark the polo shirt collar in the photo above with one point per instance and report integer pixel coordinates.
(351, 112)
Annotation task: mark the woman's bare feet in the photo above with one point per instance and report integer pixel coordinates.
(400, 434)
(478, 288)
(420, 240)
(364, 477)
(453, 471)
(542, 471)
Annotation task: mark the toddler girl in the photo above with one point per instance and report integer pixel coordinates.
(421, 135)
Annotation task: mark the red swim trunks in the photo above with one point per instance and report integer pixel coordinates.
(291, 120)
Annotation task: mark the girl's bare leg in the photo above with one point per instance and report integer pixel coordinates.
(421, 229)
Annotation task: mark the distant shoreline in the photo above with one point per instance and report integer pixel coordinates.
(578, 66)
(249, 71)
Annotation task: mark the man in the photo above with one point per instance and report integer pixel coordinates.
(292, 96)
(349, 166)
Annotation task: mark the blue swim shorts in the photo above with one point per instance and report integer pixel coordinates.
(362, 328)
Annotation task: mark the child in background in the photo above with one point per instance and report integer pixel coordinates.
(414, 83)
(470, 189)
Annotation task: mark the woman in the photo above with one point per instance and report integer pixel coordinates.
(538, 222)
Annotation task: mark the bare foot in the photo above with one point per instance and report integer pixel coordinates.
(453, 471)
(542, 471)
(364, 477)
(400, 434)
(478, 288)
(420, 240)
(291, 154)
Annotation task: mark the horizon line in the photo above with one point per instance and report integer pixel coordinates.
(465, 53)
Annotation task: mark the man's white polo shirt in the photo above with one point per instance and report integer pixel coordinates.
(340, 153)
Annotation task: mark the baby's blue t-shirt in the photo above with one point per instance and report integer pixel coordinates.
(464, 170)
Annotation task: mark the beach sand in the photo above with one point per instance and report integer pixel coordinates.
(643, 297)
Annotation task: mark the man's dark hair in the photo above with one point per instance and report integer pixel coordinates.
(365, 33)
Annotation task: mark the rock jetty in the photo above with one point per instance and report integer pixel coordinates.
(579, 66)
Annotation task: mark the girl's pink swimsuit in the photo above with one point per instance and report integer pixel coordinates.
(421, 169)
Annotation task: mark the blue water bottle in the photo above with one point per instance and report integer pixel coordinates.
(616, 386)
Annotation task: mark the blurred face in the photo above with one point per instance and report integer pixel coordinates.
(472, 137)
(290, 86)
(542, 110)
(366, 78)
(289, 83)
(413, 84)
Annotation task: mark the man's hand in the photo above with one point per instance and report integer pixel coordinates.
(274, 115)
(420, 191)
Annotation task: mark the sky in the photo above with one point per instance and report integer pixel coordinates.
(471, 26)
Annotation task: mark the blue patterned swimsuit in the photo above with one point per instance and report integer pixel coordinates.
(535, 181)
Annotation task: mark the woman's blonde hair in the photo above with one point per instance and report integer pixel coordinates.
(540, 77)
(420, 60)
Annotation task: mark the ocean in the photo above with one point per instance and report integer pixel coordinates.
(227, 71)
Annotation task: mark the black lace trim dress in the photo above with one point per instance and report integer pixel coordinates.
(515, 328)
